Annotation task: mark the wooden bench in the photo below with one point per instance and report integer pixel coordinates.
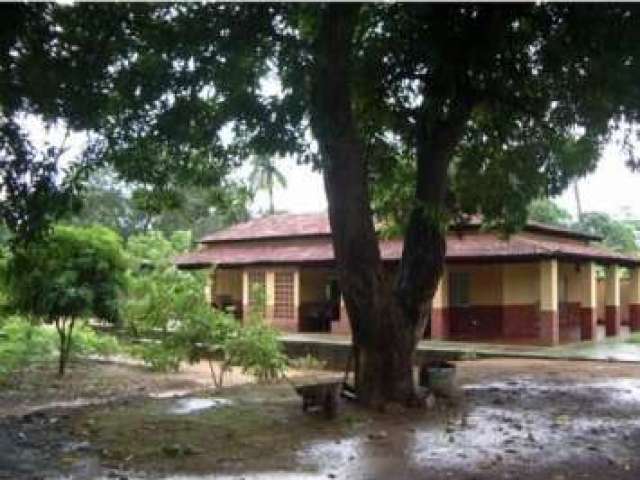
(320, 395)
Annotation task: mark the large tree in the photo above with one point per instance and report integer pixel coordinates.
(481, 107)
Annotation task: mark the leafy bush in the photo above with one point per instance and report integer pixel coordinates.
(167, 310)
(24, 343)
(86, 342)
(72, 273)
(257, 350)
(159, 355)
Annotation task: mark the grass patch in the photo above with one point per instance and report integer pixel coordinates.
(262, 434)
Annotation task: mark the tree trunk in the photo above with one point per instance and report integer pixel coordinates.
(64, 347)
(384, 352)
(387, 317)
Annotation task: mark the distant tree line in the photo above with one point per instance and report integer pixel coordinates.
(618, 235)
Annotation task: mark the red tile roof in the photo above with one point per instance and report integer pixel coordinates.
(317, 224)
(468, 247)
(274, 226)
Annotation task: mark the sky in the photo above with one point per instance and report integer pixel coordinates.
(611, 188)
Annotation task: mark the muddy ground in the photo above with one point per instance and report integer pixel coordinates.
(512, 419)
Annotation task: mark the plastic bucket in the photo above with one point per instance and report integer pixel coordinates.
(440, 378)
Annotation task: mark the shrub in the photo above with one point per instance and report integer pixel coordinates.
(167, 309)
(24, 343)
(257, 350)
(72, 273)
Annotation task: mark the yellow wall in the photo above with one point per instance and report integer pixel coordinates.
(521, 283)
(625, 296)
(486, 283)
(634, 285)
(570, 277)
(549, 285)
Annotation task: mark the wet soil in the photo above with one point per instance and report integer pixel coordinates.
(517, 419)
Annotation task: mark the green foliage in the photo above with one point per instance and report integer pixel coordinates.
(159, 295)
(616, 235)
(129, 211)
(546, 211)
(75, 272)
(88, 342)
(167, 309)
(257, 350)
(24, 342)
(159, 355)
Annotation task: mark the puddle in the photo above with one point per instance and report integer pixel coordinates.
(276, 475)
(171, 393)
(185, 406)
(618, 390)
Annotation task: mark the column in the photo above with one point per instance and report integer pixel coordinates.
(612, 301)
(245, 294)
(209, 286)
(342, 326)
(589, 301)
(296, 298)
(634, 299)
(549, 321)
(270, 295)
(439, 318)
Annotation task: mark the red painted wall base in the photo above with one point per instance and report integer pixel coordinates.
(612, 320)
(634, 317)
(589, 319)
(549, 327)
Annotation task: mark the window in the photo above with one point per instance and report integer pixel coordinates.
(283, 293)
(256, 280)
(459, 289)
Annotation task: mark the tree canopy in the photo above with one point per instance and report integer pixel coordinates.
(481, 108)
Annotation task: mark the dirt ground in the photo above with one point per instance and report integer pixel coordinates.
(534, 419)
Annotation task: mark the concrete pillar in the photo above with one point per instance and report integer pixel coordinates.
(439, 317)
(612, 301)
(634, 299)
(209, 286)
(589, 301)
(549, 320)
(269, 295)
(343, 325)
(245, 294)
(296, 298)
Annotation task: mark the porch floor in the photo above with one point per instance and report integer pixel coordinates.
(608, 349)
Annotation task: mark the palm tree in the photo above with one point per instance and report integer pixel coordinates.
(264, 176)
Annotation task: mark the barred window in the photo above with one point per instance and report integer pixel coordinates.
(283, 293)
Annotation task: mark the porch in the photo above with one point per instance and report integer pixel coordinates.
(541, 302)
(547, 302)
(293, 299)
